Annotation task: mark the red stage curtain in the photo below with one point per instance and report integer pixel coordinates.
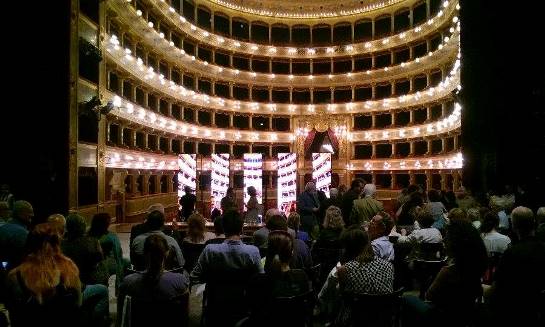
(333, 139)
(310, 139)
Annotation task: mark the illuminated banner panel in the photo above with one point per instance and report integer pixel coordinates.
(187, 173)
(321, 171)
(287, 182)
(253, 173)
(220, 178)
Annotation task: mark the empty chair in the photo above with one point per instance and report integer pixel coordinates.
(374, 310)
(191, 252)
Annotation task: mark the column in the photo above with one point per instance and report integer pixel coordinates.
(411, 117)
(374, 178)
(145, 183)
(373, 121)
(373, 151)
(231, 125)
(271, 123)
(74, 107)
(455, 180)
(412, 179)
(443, 145)
(170, 184)
(213, 117)
(393, 155)
(428, 146)
(428, 113)
(393, 185)
(428, 179)
(102, 124)
(251, 122)
(411, 149)
(444, 181)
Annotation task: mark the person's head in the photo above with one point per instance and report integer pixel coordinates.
(5, 212)
(230, 192)
(156, 207)
(523, 220)
(232, 223)
(156, 251)
(357, 185)
(333, 218)
(333, 193)
(342, 189)
(251, 191)
(277, 222)
(462, 192)
(310, 187)
(540, 215)
(369, 190)
(413, 188)
(45, 267)
(294, 221)
(491, 222)
(23, 211)
(155, 220)
(465, 246)
(99, 224)
(380, 225)
(356, 245)
(279, 252)
(434, 196)
(271, 212)
(75, 226)
(425, 217)
(58, 220)
(457, 214)
(187, 189)
(473, 214)
(196, 226)
(215, 214)
(218, 226)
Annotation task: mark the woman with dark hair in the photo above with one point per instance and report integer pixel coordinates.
(196, 230)
(494, 241)
(154, 283)
(408, 211)
(111, 247)
(45, 289)
(278, 281)
(294, 222)
(452, 295)
(437, 209)
(332, 229)
(366, 274)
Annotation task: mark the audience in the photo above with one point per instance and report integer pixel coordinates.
(494, 241)
(155, 223)
(333, 200)
(6, 196)
(294, 222)
(187, 202)
(406, 215)
(13, 234)
(367, 207)
(226, 268)
(519, 276)
(155, 283)
(142, 228)
(196, 230)
(379, 229)
(261, 235)
(457, 214)
(366, 274)
(540, 217)
(437, 209)
(426, 233)
(474, 215)
(45, 289)
(59, 221)
(332, 229)
(308, 206)
(348, 198)
(465, 201)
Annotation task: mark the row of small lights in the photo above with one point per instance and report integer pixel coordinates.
(132, 159)
(321, 14)
(272, 51)
(169, 87)
(253, 75)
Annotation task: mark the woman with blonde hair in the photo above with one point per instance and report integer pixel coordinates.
(294, 222)
(196, 230)
(45, 288)
(332, 228)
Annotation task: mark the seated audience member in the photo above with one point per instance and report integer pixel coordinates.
(156, 222)
(332, 229)
(379, 229)
(540, 217)
(437, 209)
(215, 214)
(110, 245)
(142, 228)
(278, 281)
(367, 207)
(153, 284)
(457, 214)
(426, 233)
(329, 298)
(366, 274)
(454, 291)
(45, 289)
(301, 257)
(196, 230)
(218, 229)
(474, 215)
(519, 276)
(294, 222)
(5, 211)
(494, 241)
(465, 201)
(59, 221)
(260, 235)
(13, 234)
(406, 215)
(226, 268)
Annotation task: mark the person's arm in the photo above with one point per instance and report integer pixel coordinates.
(179, 255)
(198, 274)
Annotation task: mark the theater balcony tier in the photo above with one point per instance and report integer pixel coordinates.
(176, 28)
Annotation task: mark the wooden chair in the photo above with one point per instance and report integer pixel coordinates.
(374, 310)
(153, 312)
(191, 252)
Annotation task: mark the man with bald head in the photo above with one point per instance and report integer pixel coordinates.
(520, 275)
(13, 234)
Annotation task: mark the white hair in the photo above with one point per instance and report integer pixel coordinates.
(369, 189)
(157, 207)
(540, 214)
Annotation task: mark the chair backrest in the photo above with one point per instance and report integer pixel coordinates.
(249, 240)
(295, 310)
(431, 251)
(191, 252)
(493, 262)
(217, 240)
(374, 310)
(155, 312)
(314, 274)
(425, 272)
(328, 258)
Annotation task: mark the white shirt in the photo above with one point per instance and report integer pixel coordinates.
(424, 235)
(504, 220)
(495, 242)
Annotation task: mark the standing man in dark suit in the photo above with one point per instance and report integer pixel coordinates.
(308, 205)
(188, 203)
(347, 201)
